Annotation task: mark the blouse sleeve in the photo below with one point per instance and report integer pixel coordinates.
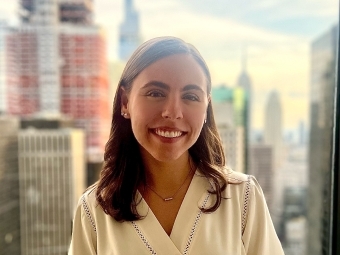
(83, 240)
(259, 236)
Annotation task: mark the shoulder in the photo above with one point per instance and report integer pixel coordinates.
(88, 205)
(241, 185)
(236, 177)
(89, 197)
(88, 200)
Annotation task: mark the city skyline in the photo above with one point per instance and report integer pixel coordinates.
(277, 41)
(283, 72)
(222, 38)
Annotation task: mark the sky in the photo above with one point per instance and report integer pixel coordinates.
(275, 36)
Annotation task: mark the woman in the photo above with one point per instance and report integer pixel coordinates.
(164, 187)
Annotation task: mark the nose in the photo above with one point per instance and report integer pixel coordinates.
(172, 109)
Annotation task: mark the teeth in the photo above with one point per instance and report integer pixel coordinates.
(168, 134)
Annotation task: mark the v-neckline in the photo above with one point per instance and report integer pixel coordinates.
(176, 242)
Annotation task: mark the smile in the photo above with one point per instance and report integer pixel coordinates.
(168, 134)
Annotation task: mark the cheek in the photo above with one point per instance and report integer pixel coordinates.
(198, 113)
(196, 120)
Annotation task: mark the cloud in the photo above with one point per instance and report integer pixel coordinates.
(210, 32)
(9, 12)
(300, 17)
(298, 8)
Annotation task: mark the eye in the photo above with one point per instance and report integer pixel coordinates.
(155, 93)
(191, 97)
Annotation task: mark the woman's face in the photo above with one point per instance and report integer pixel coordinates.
(167, 106)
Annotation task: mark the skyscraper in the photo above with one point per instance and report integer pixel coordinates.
(9, 187)
(261, 165)
(322, 87)
(228, 105)
(52, 178)
(273, 126)
(57, 65)
(3, 88)
(85, 85)
(244, 82)
(289, 205)
(129, 34)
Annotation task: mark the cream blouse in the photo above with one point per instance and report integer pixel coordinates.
(241, 225)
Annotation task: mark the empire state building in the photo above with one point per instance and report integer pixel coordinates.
(129, 35)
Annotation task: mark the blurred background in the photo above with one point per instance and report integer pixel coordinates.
(273, 74)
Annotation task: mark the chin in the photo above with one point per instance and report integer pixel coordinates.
(166, 158)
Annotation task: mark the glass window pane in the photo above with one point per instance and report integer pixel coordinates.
(273, 69)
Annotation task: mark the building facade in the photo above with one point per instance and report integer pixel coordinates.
(261, 164)
(322, 89)
(85, 85)
(9, 187)
(244, 82)
(229, 112)
(273, 134)
(56, 65)
(3, 49)
(52, 178)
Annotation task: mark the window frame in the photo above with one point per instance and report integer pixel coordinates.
(335, 199)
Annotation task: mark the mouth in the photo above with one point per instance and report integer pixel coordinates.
(168, 133)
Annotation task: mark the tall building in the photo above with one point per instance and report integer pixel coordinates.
(322, 87)
(9, 187)
(290, 200)
(244, 82)
(3, 49)
(22, 72)
(57, 66)
(228, 105)
(294, 234)
(85, 85)
(76, 11)
(261, 165)
(129, 32)
(52, 178)
(273, 126)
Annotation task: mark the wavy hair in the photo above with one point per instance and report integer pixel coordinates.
(123, 169)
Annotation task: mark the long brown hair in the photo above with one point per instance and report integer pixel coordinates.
(123, 169)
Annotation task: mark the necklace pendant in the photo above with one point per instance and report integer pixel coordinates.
(168, 199)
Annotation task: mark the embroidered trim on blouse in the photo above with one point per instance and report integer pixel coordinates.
(88, 213)
(145, 241)
(191, 236)
(194, 227)
(246, 203)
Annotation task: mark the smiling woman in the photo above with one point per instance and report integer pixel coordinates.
(164, 188)
(168, 96)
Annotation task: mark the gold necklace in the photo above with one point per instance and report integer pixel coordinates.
(166, 199)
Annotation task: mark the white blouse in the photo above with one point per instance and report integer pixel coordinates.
(241, 225)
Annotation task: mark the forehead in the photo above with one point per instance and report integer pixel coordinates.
(176, 70)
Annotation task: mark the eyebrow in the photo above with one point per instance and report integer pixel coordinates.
(159, 84)
(163, 85)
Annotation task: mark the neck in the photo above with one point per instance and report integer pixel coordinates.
(167, 176)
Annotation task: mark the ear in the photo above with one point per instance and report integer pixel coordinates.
(124, 99)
